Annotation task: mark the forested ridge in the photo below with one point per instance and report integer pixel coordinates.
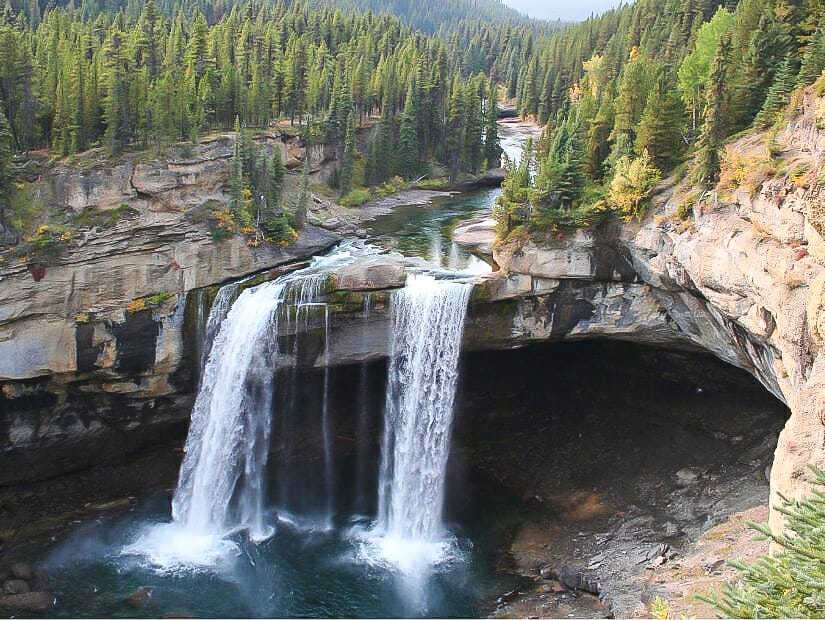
(627, 97)
(630, 95)
(71, 83)
(430, 16)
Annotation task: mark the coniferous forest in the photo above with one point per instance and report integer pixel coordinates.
(625, 97)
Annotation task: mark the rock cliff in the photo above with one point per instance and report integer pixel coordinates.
(740, 275)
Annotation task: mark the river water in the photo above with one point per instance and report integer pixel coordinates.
(303, 570)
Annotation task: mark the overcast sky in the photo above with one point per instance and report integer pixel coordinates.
(563, 9)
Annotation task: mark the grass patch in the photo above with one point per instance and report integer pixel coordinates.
(433, 184)
(363, 195)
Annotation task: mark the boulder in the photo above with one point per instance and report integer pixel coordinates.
(21, 570)
(29, 601)
(15, 586)
(477, 235)
(139, 598)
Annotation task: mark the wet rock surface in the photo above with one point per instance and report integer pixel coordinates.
(25, 589)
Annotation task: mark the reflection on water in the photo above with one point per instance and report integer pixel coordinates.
(425, 230)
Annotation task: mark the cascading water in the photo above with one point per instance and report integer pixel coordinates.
(427, 324)
(221, 485)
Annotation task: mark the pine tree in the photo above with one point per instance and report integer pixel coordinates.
(345, 179)
(512, 206)
(492, 149)
(236, 170)
(561, 176)
(304, 194)
(706, 161)
(788, 584)
(778, 95)
(408, 148)
(660, 128)
(116, 106)
(813, 62)
(454, 146)
(6, 145)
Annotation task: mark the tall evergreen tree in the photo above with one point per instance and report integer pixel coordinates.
(778, 95)
(706, 162)
(408, 148)
(492, 149)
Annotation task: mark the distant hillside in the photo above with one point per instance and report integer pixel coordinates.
(429, 16)
(434, 15)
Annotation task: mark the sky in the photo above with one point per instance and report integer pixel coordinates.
(570, 10)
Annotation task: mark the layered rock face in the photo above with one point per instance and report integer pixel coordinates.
(741, 277)
(92, 355)
(81, 365)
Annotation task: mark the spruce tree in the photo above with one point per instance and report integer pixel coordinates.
(492, 149)
(778, 95)
(345, 179)
(813, 62)
(304, 194)
(660, 128)
(408, 147)
(236, 170)
(790, 583)
(6, 145)
(706, 161)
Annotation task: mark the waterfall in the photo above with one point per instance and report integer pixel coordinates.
(427, 325)
(228, 439)
(362, 430)
(221, 485)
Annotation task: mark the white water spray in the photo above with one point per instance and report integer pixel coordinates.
(221, 486)
(427, 325)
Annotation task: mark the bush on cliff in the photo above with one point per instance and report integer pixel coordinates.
(790, 584)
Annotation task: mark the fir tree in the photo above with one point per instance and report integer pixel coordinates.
(348, 159)
(304, 195)
(778, 95)
(790, 583)
(492, 149)
(408, 147)
(236, 170)
(660, 128)
(706, 162)
(813, 62)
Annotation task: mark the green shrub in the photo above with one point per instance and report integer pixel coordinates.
(790, 584)
(632, 186)
(356, 198)
(47, 244)
(433, 184)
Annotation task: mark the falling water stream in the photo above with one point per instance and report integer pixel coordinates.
(222, 480)
(427, 324)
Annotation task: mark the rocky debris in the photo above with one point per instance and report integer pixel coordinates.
(21, 570)
(139, 598)
(30, 601)
(15, 586)
(686, 477)
(24, 589)
(575, 577)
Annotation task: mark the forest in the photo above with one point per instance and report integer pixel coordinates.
(643, 91)
(626, 97)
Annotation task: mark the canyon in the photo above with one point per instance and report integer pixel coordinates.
(87, 375)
